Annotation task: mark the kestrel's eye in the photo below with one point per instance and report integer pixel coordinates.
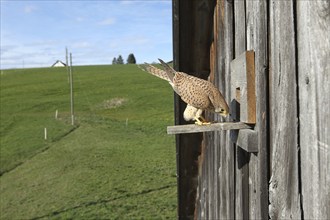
(222, 110)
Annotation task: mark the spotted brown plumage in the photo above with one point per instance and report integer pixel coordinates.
(199, 94)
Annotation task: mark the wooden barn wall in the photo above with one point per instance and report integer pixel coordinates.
(289, 177)
(233, 183)
(313, 33)
(191, 55)
(284, 183)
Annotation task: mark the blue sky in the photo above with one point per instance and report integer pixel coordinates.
(35, 33)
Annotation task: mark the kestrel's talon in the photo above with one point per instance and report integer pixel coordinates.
(199, 122)
(202, 123)
(203, 119)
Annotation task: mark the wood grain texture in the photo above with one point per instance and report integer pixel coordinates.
(242, 157)
(313, 31)
(292, 111)
(248, 140)
(243, 87)
(216, 183)
(283, 190)
(192, 128)
(225, 55)
(191, 55)
(257, 40)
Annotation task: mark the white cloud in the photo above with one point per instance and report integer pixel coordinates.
(79, 19)
(114, 27)
(82, 44)
(29, 9)
(108, 21)
(127, 2)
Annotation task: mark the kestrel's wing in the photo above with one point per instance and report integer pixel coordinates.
(191, 90)
(155, 71)
(200, 93)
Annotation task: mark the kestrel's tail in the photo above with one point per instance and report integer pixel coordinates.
(155, 71)
(169, 70)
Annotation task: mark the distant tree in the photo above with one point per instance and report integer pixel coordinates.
(114, 61)
(131, 59)
(120, 60)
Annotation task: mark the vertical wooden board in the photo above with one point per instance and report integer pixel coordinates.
(202, 194)
(251, 98)
(241, 166)
(227, 160)
(242, 84)
(240, 32)
(284, 189)
(256, 21)
(210, 181)
(216, 176)
(215, 135)
(197, 16)
(229, 55)
(206, 180)
(192, 23)
(313, 31)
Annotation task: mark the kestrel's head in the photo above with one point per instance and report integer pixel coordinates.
(220, 104)
(223, 111)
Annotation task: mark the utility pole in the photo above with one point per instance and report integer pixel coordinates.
(67, 63)
(71, 90)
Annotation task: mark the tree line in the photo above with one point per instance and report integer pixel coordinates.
(119, 60)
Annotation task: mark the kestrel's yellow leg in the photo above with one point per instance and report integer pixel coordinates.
(199, 122)
(203, 119)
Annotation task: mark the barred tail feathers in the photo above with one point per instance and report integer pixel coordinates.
(155, 71)
(169, 70)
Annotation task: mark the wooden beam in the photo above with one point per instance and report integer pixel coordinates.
(247, 139)
(192, 128)
(243, 87)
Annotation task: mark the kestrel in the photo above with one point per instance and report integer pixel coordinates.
(199, 94)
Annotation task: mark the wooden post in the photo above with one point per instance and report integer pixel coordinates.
(45, 133)
(71, 91)
(67, 63)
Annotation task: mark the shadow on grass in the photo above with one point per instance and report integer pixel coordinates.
(41, 150)
(102, 201)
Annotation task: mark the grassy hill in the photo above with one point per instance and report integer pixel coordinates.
(117, 161)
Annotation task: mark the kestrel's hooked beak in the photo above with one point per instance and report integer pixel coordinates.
(223, 112)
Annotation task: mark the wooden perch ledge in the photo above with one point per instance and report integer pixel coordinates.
(192, 128)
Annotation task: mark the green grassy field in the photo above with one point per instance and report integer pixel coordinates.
(117, 162)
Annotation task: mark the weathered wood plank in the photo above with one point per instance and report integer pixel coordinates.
(192, 30)
(313, 31)
(222, 207)
(192, 128)
(256, 21)
(283, 190)
(242, 157)
(248, 140)
(225, 46)
(243, 87)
